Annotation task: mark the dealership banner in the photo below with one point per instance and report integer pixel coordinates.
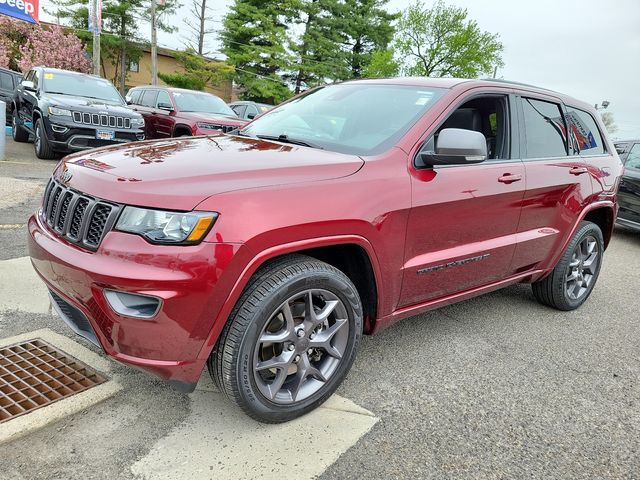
(26, 10)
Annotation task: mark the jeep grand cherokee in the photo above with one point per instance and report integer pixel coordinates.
(69, 111)
(267, 254)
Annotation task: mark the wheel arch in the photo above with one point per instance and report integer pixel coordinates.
(181, 127)
(603, 216)
(352, 253)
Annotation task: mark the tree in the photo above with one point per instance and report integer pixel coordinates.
(199, 72)
(366, 27)
(441, 42)
(382, 65)
(25, 45)
(254, 39)
(199, 16)
(609, 122)
(120, 42)
(318, 51)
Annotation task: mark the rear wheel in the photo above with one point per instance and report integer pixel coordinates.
(572, 280)
(290, 340)
(18, 133)
(41, 144)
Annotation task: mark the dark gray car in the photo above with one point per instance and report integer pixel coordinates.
(9, 80)
(629, 192)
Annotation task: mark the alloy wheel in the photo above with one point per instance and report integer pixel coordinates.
(582, 268)
(37, 139)
(301, 346)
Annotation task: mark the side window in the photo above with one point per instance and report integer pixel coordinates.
(36, 79)
(239, 109)
(163, 97)
(633, 159)
(583, 132)
(252, 112)
(6, 82)
(148, 98)
(544, 129)
(135, 96)
(488, 115)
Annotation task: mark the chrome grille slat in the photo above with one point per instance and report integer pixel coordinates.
(78, 218)
(101, 120)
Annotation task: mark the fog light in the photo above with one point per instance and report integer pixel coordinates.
(59, 128)
(133, 304)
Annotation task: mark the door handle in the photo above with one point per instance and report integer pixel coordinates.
(508, 178)
(578, 170)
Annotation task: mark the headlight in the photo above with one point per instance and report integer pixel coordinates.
(61, 112)
(159, 226)
(209, 126)
(137, 122)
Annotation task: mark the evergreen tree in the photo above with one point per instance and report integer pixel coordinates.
(366, 26)
(318, 51)
(254, 39)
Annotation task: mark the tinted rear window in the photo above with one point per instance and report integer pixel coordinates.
(6, 81)
(148, 98)
(544, 129)
(584, 133)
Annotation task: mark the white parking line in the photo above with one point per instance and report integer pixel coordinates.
(21, 288)
(218, 441)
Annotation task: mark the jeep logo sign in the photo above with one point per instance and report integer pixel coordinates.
(26, 10)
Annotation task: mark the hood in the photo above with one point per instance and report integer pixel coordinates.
(83, 102)
(180, 173)
(214, 118)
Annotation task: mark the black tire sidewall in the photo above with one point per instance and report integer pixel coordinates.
(247, 388)
(586, 229)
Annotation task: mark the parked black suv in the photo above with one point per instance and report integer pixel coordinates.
(9, 80)
(629, 191)
(68, 111)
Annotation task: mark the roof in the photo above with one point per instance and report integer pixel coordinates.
(450, 83)
(174, 89)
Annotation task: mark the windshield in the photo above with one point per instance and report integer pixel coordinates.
(201, 103)
(81, 86)
(355, 118)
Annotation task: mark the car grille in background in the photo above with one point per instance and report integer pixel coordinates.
(101, 120)
(215, 126)
(79, 218)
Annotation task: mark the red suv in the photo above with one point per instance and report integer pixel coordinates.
(267, 254)
(175, 112)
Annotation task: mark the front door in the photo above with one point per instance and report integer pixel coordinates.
(462, 226)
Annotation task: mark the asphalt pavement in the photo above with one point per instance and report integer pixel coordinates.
(494, 387)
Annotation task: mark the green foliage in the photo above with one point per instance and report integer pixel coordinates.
(382, 65)
(254, 39)
(441, 42)
(199, 72)
(318, 52)
(366, 26)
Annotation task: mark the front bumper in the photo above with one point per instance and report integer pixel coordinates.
(67, 136)
(191, 281)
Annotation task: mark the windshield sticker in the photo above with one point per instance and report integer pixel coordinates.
(48, 76)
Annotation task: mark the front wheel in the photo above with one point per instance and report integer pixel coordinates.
(290, 340)
(41, 144)
(572, 280)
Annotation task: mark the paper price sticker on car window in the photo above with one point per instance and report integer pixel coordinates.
(48, 76)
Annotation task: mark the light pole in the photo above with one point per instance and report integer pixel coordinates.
(154, 45)
(96, 27)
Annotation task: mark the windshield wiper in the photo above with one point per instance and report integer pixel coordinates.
(286, 139)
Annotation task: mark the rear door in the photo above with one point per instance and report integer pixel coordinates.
(558, 185)
(629, 192)
(461, 231)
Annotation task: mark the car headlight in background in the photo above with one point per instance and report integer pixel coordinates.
(209, 126)
(137, 122)
(159, 226)
(61, 112)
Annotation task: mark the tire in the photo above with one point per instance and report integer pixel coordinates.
(41, 144)
(304, 373)
(572, 280)
(18, 133)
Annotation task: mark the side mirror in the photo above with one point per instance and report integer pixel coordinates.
(251, 116)
(456, 146)
(28, 85)
(128, 99)
(167, 107)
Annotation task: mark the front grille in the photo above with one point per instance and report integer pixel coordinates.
(78, 218)
(101, 120)
(216, 126)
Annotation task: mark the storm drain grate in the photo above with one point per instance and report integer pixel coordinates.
(34, 374)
